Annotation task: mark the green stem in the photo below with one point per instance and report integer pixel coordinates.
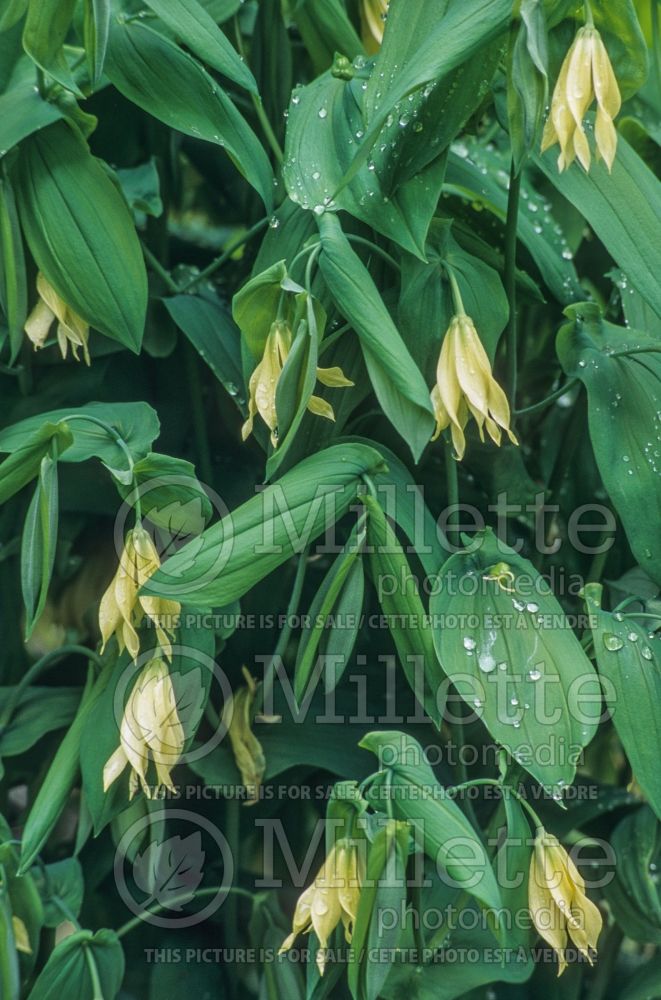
(506, 789)
(456, 730)
(231, 912)
(35, 670)
(271, 137)
(283, 640)
(362, 241)
(224, 256)
(543, 403)
(511, 225)
(200, 893)
(456, 294)
(97, 989)
(418, 931)
(64, 909)
(121, 443)
(589, 19)
(156, 266)
(643, 614)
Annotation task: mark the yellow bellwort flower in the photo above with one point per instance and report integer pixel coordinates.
(150, 731)
(372, 17)
(465, 385)
(248, 753)
(586, 73)
(557, 900)
(122, 608)
(71, 329)
(264, 382)
(333, 896)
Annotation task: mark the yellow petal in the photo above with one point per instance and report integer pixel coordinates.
(114, 767)
(605, 83)
(21, 936)
(321, 408)
(334, 378)
(39, 323)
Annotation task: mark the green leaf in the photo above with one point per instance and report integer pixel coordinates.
(23, 110)
(325, 29)
(12, 12)
(40, 710)
(141, 187)
(209, 327)
(516, 660)
(630, 886)
(39, 542)
(630, 662)
(645, 984)
(170, 494)
(443, 829)
(81, 234)
(248, 544)
(255, 306)
(136, 423)
(397, 381)
(624, 210)
(45, 32)
(63, 880)
(13, 281)
(481, 176)
(199, 32)
(96, 25)
(67, 971)
(453, 38)
(384, 889)
(625, 431)
(25, 461)
(324, 122)
(141, 63)
(407, 619)
(527, 79)
(322, 607)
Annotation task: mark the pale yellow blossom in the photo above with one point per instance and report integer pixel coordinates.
(71, 329)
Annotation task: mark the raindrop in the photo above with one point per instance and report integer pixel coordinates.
(274, 222)
(323, 113)
(646, 653)
(535, 674)
(613, 642)
(469, 643)
(532, 607)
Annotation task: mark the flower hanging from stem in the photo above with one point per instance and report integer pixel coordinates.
(586, 73)
(264, 383)
(465, 384)
(122, 608)
(150, 731)
(557, 900)
(333, 896)
(71, 329)
(248, 753)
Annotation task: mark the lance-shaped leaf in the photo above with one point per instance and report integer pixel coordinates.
(629, 659)
(46, 28)
(197, 29)
(25, 461)
(444, 832)
(81, 233)
(142, 64)
(507, 645)
(13, 282)
(96, 25)
(39, 541)
(401, 604)
(621, 370)
(249, 543)
(623, 208)
(397, 381)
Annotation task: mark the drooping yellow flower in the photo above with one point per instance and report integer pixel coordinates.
(465, 385)
(372, 17)
(248, 753)
(150, 730)
(71, 329)
(264, 382)
(122, 609)
(557, 900)
(586, 73)
(21, 936)
(333, 896)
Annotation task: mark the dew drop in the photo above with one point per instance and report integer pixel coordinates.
(613, 642)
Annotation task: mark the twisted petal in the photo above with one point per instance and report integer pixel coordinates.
(39, 323)
(114, 767)
(334, 378)
(609, 101)
(321, 408)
